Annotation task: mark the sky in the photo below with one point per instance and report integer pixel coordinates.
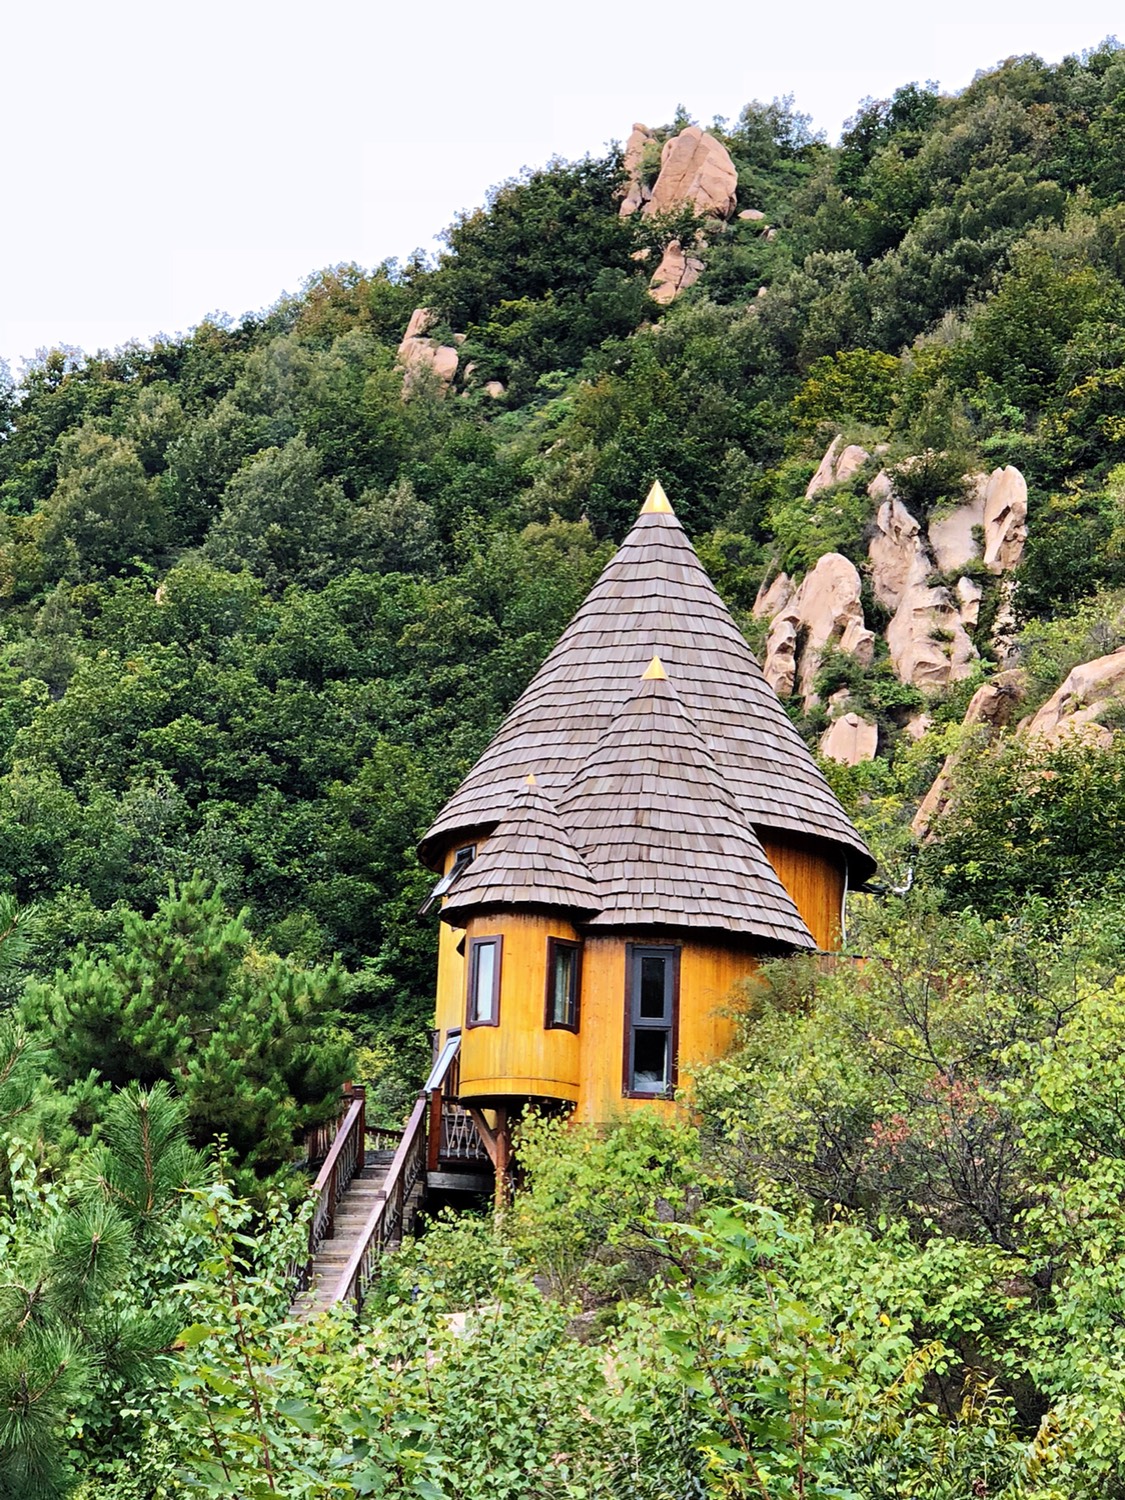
(165, 161)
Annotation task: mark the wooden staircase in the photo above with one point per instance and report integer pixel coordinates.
(368, 1197)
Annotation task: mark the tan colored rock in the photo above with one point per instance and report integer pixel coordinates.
(695, 169)
(751, 215)
(637, 193)
(991, 707)
(1005, 519)
(896, 552)
(418, 352)
(850, 740)
(1075, 707)
(837, 465)
(772, 599)
(678, 270)
(825, 611)
(951, 536)
(917, 726)
(927, 641)
(969, 596)
(494, 388)
(881, 487)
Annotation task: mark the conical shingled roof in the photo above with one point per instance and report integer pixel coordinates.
(654, 597)
(662, 835)
(529, 861)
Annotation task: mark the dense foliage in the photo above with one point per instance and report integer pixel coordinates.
(261, 606)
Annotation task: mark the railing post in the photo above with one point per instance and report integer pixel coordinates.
(433, 1143)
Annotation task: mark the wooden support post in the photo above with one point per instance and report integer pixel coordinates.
(433, 1153)
(503, 1139)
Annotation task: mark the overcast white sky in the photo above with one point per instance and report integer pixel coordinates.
(166, 160)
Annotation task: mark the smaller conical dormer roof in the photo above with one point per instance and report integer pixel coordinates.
(662, 836)
(529, 861)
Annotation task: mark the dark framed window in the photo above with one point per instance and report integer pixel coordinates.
(564, 978)
(484, 982)
(652, 1003)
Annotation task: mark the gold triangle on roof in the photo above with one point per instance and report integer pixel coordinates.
(654, 671)
(657, 502)
(530, 780)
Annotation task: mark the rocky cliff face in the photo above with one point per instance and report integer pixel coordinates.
(926, 575)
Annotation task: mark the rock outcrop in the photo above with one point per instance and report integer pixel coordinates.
(1075, 708)
(927, 640)
(678, 269)
(992, 707)
(850, 739)
(773, 597)
(418, 352)
(824, 611)
(637, 193)
(695, 169)
(1005, 519)
(837, 465)
(896, 551)
(952, 537)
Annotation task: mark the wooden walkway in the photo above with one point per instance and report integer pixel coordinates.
(368, 1195)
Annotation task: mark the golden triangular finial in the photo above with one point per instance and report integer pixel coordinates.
(530, 779)
(655, 671)
(657, 502)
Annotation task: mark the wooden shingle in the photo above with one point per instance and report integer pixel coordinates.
(662, 835)
(529, 861)
(654, 598)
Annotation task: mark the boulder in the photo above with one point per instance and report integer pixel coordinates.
(637, 193)
(881, 487)
(837, 465)
(678, 270)
(493, 388)
(927, 641)
(1075, 707)
(991, 707)
(695, 169)
(825, 611)
(969, 596)
(951, 536)
(916, 727)
(751, 215)
(850, 740)
(1005, 519)
(418, 352)
(772, 598)
(896, 551)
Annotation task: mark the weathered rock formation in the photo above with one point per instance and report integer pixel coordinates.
(896, 551)
(695, 169)
(1076, 706)
(1005, 519)
(678, 269)
(992, 707)
(637, 193)
(837, 465)
(417, 352)
(850, 739)
(824, 611)
(773, 597)
(927, 640)
(951, 536)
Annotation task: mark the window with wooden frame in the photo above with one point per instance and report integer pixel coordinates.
(652, 1002)
(564, 970)
(483, 1008)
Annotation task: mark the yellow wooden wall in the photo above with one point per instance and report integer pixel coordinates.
(450, 1008)
(814, 879)
(521, 1057)
(709, 972)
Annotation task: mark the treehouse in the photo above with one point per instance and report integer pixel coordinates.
(645, 827)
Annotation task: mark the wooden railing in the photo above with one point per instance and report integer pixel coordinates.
(386, 1223)
(460, 1138)
(345, 1157)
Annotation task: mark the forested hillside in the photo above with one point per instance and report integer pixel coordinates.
(267, 589)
